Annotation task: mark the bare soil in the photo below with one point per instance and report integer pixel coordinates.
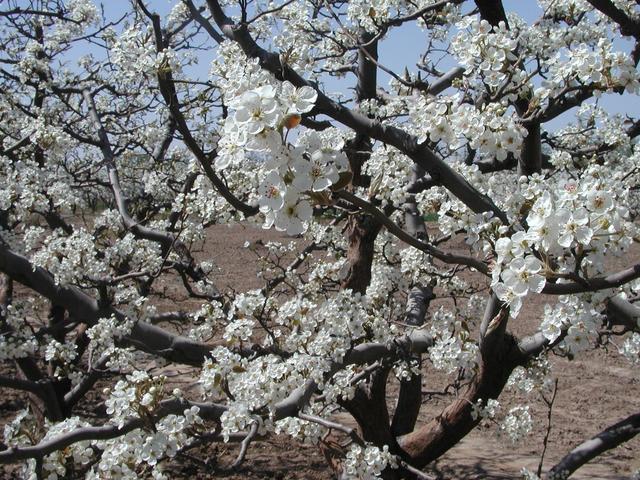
(595, 390)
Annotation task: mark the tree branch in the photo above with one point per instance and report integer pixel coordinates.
(167, 89)
(628, 26)
(593, 284)
(209, 411)
(609, 438)
(144, 336)
(405, 237)
(166, 240)
(406, 143)
(20, 384)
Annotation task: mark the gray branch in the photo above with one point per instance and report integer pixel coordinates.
(80, 305)
(209, 411)
(398, 138)
(593, 284)
(416, 342)
(609, 438)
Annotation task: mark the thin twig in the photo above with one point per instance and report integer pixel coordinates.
(420, 475)
(407, 238)
(351, 432)
(545, 441)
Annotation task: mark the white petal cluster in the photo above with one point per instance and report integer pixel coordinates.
(21, 429)
(494, 131)
(631, 348)
(82, 14)
(236, 418)
(368, 13)
(62, 352)
(138, 394)
(301, 430)
(534, 377)
(133, 53)
(585, 216)
(215, 371)
(368, 462)
(205, 321)
(20, 341)
(485, 410)
(489, 53)
(454, 348)
(293, 173)
(517, 424)
(122, 457)
(574, 317)
(71, 259)
(105, 333)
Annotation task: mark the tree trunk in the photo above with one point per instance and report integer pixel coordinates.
(530, 161)
(362, 230)
(436, 437)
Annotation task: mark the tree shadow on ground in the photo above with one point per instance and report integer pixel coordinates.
(466, 472)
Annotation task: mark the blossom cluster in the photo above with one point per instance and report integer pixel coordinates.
(122, 457)
(579, 217)
(494, 131)
(517, 424)
(19, 341)
(137, 395)
(490, 54)
(367, 462)
(485, 410)
(293, 175)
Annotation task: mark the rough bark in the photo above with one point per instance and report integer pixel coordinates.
(436, 437)
(362, 231)
(409, 400)
(408, 406)
(368, 406)
(530, 160)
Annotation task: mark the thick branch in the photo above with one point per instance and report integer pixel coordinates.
(433, 439)
(406, 143)
(609, 438)
(492, 11)
(619, 312)
(106, 432)
(170, 96)
(622, 312)
(418, 302)
(21, 384)
(144, 336)
(593, 284)
(206, 24)
(165, 239)
(445, 81)
(409, 401)
(530, 160)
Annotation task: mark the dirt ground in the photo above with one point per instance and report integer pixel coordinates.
(595, 390)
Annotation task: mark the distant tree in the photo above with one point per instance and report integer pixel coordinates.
(115, 156)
